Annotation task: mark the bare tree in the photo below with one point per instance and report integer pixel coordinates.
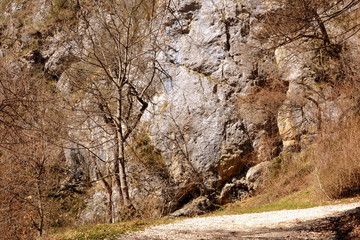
(117, 74)
(293, 20)
(313, 37)
(27, 158)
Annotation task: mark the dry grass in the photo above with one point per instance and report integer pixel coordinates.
(104, 231)
(261, 203)
(331, 166)
(336, 157)
(288, 174)
(259, 107)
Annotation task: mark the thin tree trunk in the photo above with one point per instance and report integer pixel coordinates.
(120, 157)
(110, 205)
(117, 171)
(40, 225)
(124, 189)
(108, 187)
(110, 201)
(324, 33)
(40, 207)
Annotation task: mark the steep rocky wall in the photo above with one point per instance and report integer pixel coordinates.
(212, 55)
(205, 130)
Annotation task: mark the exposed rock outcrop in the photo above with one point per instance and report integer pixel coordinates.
(202, 125)
(216, 116)
(196, 207)
(210, 55)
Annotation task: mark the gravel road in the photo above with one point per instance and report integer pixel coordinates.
(286, 224)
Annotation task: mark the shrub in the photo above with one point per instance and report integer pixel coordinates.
(146, 153)
(288, 173)
(336, 157)
(62, 11)
(259, 107)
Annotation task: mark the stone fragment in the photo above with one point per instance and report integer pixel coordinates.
(197, 206)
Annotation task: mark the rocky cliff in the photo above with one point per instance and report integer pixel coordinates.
(212, 56)
(226, 104)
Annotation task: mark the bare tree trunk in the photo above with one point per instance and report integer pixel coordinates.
(120, 139)
(124, 189)
(110, 200)
(109, 193)
(40, 224)
(321, 25)
(110, 205)
(40, 202)
(117, 172)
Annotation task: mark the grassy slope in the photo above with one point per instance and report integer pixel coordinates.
(104, 231)
(298, 200)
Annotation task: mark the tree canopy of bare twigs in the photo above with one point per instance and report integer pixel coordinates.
(115, 78)
(29, 162)
(293, 20)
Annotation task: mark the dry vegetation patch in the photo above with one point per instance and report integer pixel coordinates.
(336, 157)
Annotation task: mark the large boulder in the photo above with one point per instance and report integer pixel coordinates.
(196, 207)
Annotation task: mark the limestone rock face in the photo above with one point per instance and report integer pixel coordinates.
(206, 133)
(210, 54)
(210, 51)
(310, 102)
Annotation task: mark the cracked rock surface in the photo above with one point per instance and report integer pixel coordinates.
(209, 52)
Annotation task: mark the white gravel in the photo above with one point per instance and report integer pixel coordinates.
(195, 227)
